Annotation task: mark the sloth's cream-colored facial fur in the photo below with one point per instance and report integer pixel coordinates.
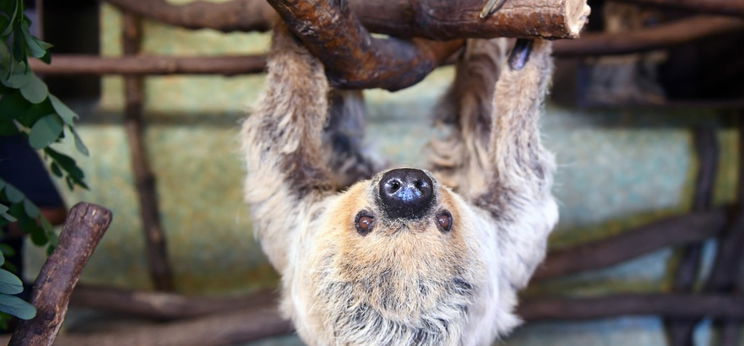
(404, 256)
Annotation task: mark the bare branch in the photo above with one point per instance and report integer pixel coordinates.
(150, 65)
(724, 7)
(84, 228)
(662, 36)
(677, 230)
(432, 19)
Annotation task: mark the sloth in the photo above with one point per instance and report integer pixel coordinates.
(403, 256)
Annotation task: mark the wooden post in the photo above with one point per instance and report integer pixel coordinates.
(155, 243)
(685, 276)
(81, 233)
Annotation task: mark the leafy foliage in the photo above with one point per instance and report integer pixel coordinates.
(27, 108)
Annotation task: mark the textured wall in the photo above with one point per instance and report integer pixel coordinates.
(616, 169)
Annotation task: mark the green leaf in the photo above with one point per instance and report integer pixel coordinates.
(12, 105)
(4, 213)
(38, 235)
(79, 142)
(2, 259)
(56, 170)
(34, 112)
(36, 49)
(18, 79)
(7, 250)
(9, 283)
(14, 195)
(35, 90)
(75, 174)
(31, 209)
(67, 114)
(11, 20)
(17, 307)
(8, 126)
(45, 131)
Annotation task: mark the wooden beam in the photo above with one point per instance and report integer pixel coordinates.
(722, 7)
(671, 305)
(84, 228)
(431, 19)
(658, 37)
(705, 141)
(672, 231)
(143, 65)
(162, 305)
(145, 183)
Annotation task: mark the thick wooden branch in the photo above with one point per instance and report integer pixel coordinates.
(150, 65)
(352, 57)
(164, 306)
(673, 231)
(670, 305)
(662, 36)
(84, 228)
(724, 7)
(431, 19)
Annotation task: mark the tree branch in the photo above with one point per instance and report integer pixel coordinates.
(84, 228)
(671, 305)
(662, 36)
(723, 7)
(150, 65)
(432, 19)
(673, 231)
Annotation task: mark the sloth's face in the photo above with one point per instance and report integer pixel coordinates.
(396, 249)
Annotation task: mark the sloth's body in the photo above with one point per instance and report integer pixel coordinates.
(401, 257)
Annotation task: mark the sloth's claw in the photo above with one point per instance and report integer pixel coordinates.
(520, 54)
(490, 7)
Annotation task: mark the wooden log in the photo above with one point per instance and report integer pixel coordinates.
(161, 305)
(352, 57)
(431, 19)
(671, 305)
(672, 231)
(155, 242)
(662, 36)
(80, 235)
(150, 65)
(723, 7)
(686, 274)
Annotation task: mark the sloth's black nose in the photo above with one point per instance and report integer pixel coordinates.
(406, 193)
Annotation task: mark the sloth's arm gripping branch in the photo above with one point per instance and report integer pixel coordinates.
(518, 191)
(282, 145)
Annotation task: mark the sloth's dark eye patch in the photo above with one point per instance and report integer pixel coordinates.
(364, 222)
(444, 221)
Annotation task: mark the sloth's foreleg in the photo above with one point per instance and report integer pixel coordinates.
(520, 175)
(286, 165)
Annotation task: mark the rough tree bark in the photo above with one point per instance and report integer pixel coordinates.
(155, 242)
(84, 228)
(432, 19)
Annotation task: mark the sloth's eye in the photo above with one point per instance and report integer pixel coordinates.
(364, 222)
(444, 221)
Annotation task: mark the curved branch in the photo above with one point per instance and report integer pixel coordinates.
(432, 19)
(677, 230)
(723, 7)
(662, 36)
(352, 57)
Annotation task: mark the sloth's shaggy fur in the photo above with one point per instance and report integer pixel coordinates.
(406, 282)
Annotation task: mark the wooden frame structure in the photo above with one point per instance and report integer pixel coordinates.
(195, 320)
